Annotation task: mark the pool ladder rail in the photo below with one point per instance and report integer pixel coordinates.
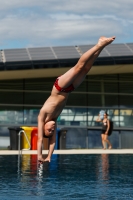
(19, 134)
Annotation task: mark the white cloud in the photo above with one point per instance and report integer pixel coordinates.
(55, 22)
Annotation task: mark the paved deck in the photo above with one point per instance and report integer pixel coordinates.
(72, 151)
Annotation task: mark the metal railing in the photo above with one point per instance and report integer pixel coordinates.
(19, 140)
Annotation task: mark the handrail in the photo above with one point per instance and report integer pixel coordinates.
(22, 131)
(63, 127)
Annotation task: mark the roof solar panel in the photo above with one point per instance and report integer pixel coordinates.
(1, 60)
(13, 55)
(63, 56)
(118, 50)
(104, 53)
(67, 52)
(43, 53)
(130, 45)
(84, 48)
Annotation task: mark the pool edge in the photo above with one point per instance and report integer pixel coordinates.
(70, 151)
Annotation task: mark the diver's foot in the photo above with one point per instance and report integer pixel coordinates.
(110, 147)
(104, 148)
(104, 41)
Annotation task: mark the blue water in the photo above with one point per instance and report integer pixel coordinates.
(102, 177)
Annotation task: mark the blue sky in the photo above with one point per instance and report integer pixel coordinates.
(36, 23)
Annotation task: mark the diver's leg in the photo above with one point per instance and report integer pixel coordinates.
(77, 73)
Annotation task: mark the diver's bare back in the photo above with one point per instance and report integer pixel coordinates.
(54, 105)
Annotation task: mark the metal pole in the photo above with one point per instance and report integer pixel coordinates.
(22, 131)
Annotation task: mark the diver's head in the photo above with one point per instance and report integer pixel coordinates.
(49, 129)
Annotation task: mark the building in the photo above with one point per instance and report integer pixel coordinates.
(27, 76)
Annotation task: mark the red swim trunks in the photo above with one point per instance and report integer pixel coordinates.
(70, 88)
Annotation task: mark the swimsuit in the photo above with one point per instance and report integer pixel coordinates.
(104, 127)
(70, 88)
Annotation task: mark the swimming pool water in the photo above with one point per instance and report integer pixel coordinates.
(102, 177)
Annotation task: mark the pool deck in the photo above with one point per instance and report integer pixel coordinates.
(71, 151)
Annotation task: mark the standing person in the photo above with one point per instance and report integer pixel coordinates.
(59, 95)
(105, 129)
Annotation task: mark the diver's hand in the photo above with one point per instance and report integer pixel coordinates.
(47, 159)
(41, 160)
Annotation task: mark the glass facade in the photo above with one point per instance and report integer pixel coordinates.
(21, 100)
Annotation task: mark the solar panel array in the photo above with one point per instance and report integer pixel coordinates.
(112, 50)
(1, 60)
(66, 52)
(42, 53)
(130, 45)
(119, 50)
(60, 54)
(84, 48)
(13, 55)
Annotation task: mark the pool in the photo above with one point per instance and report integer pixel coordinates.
(103, 177)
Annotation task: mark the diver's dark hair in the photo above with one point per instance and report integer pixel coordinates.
(47, 136)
